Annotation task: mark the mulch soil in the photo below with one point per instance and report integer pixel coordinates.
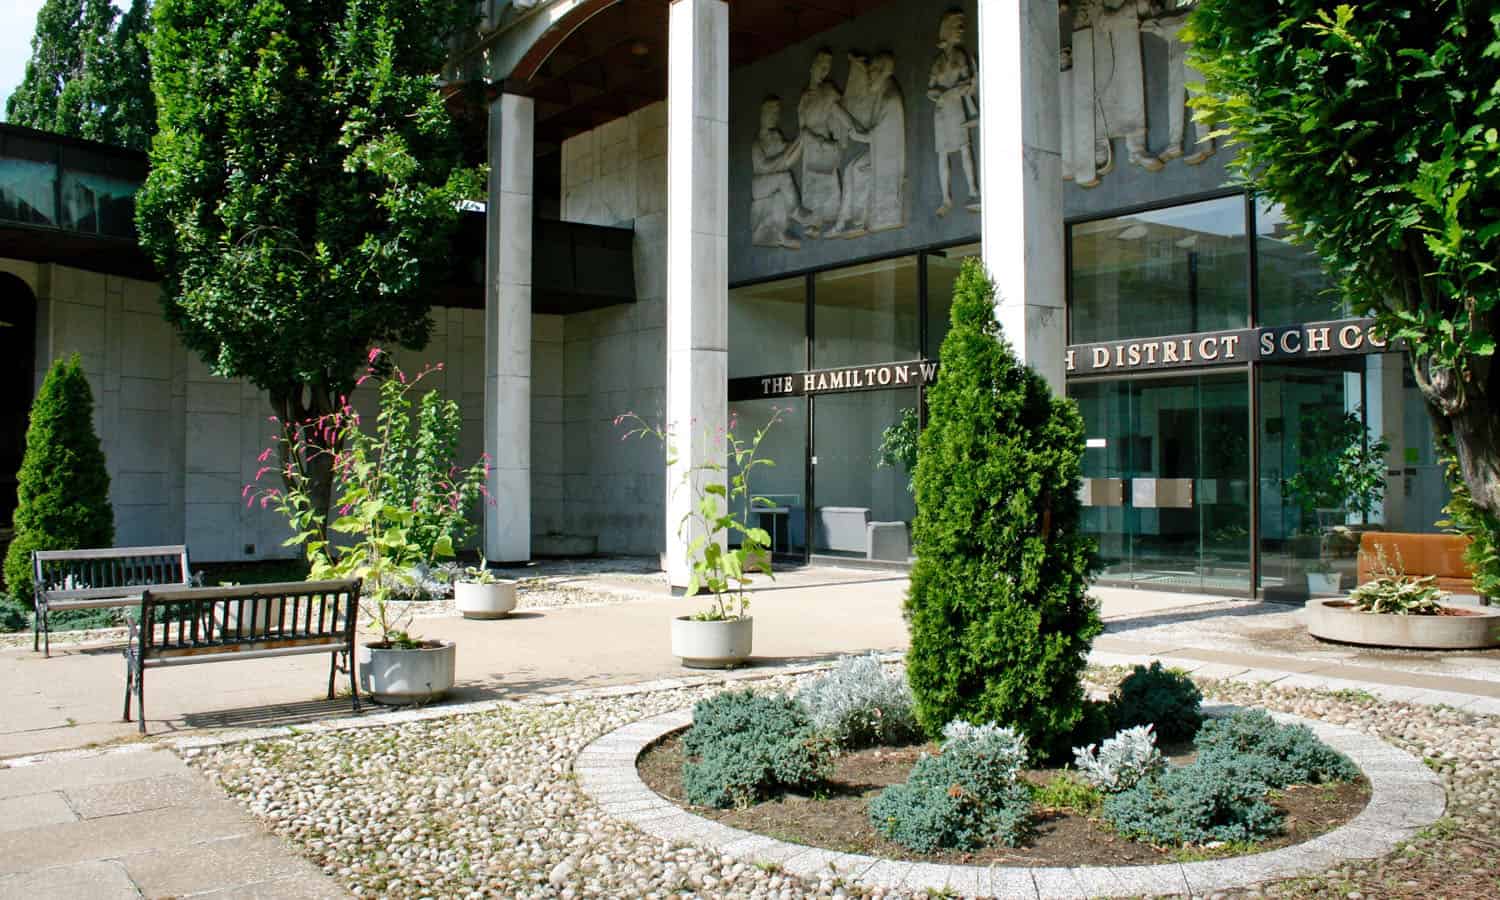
(837, 816)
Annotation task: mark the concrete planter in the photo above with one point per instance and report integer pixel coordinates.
(711, 645)
(402, 677)
(484, 601)
(1334, 619)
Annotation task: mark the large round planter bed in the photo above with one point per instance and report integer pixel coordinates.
(1458, 628)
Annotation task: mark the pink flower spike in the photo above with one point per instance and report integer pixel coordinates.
(264, 455)
(374, 352)
(247, 487)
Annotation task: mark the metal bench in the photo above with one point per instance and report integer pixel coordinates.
(187, 626)
(100, 578)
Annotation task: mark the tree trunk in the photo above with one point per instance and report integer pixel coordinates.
(310, 442)
(1468, 412)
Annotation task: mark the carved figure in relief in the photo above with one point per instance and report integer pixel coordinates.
(775, 202)
(1106, 90)
(875, 181)
(951, 86)
(823, 130)
(1179, 74)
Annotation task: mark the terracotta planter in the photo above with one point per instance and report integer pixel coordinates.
(1465, 628)
(494, 600)
(711, 645)
(402, 677)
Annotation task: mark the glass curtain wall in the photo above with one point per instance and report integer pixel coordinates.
(864, 505)
(778, 492)
(865, 314)
(942, 271)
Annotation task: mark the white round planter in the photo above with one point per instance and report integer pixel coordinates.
(403, 677)
(711, 645)
(1333, 620)
(1323, 582)
(484, 601)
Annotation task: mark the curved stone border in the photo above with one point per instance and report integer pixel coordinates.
(1404, 797)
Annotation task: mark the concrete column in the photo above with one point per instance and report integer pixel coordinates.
(1020, 173)
(697, 254)
(507, 329)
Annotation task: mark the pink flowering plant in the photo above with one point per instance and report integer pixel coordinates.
(400, 501)
(719, 514)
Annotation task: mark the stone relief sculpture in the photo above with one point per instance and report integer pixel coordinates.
(775, 202)
(823, 130)
(951, 86)
(1103, 87)
(874, 185)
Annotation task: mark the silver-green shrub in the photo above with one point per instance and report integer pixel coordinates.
(1121, 761)
(860, 704)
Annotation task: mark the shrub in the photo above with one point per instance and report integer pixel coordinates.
(62, 495)
(859, 704)
(1205, 801)
(1066, 792)
(1278, 755)
(14, 615)
(1001, 623)
(1123, 760)
(966, 797)
(1162, 697)
(744, 748)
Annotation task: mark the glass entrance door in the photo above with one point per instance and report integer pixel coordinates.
(1167, 470)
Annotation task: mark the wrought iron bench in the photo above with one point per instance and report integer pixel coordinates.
(98, 579)
(187, 626)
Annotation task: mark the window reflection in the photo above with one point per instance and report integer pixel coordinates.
(767, 328)
(942, 272)
(865, 314)
(1292, 284)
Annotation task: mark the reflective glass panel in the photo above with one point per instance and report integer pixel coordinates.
(28, 191)
(865, 314)
(768, 328)
(1293, 286)
(782, 486)
(1167, 271)
(851, 486)
(942, 271)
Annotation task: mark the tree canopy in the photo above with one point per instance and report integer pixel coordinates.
(1377, 127)
(88, 75)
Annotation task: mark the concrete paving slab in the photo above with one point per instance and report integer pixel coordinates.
(1007, 881)
(74, 842)
(96, 880)
(88, 771)
(35, 811)
(215, 865)
(293, 888)
(143, 794)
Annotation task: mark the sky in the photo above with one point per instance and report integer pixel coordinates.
(17, 22)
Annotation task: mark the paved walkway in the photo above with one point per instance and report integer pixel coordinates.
(122, 817)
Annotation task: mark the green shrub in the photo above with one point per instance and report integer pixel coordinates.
(1001, 622)
(859, 704)
(14, 615)
(1220, 800)
(1279, 755)
(62, 498)
(968, 796)
(744, 748)
(1165, 698)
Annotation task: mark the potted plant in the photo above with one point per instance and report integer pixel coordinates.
(479, 593)
(719, 636)
(395, 493)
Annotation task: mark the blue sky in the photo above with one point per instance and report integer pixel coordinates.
(17, 22)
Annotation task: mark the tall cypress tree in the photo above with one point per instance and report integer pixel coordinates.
(62, 500)
(131, 118)
(1000, 620)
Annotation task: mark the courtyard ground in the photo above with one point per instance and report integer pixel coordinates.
(87, 809)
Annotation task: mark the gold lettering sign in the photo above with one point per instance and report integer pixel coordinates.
(1218, 348)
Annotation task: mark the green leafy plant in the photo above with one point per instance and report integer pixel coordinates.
(14, 615)
(745, 747)
(968, 796)
(1164, 698)
(719, 515)
(1482, 528)
(62, 491)
(898, 446)
(1391, 591)
(1066, 792)
(1339, 467)
(1000, 617)
(1376, 126)
(480, 574)
(379, 519)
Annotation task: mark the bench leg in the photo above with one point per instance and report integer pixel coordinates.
(46, 634)
(129, 685)
(353, 679)
(36, 626)
(140, 697)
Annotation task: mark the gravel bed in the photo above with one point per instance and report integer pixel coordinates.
(485, 804)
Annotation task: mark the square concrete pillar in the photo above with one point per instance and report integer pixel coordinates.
(1020, 173)
(507, 329)
(697, 256)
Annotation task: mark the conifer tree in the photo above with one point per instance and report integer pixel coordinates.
(1000, 620)
(65, 85)
(62, 500)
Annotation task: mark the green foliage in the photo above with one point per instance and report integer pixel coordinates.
(400, 499)
(1165, 698)
(1338, 467)
(968, 796)
(62, 495)
(304, 186)
(1482, 528)
(1377, 127)
(1065, 792)
(14, 615)
(898, 446)
(745, 747)
(859, 704)
(1000, 618)
(1390, 590)
(1278, 755)
(719, 514)
(1194, 804)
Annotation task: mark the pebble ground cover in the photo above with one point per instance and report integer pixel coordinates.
(484, 804)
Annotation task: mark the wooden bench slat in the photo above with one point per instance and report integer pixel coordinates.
(215, 654)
